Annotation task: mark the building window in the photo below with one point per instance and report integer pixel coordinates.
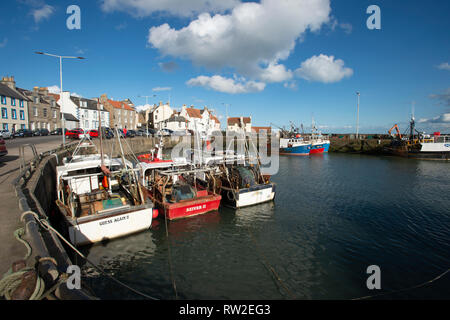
(5, 126)
(4, 113)
(13, 114)
(86, 124)
(3, 100)
(35, 111)
(45, 112)
(13, 102)
(86, 113)
(22, 115)
(21, 103)
(54, 114)
(22, 126)
(36, 99)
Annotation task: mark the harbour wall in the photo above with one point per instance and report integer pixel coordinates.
(362, 146)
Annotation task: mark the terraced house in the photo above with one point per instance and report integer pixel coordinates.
(43, 111)
(121, 114)
(14, 106)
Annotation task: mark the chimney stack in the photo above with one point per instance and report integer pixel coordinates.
(9, 81)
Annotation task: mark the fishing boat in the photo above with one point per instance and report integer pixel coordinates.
(100, 197)
(292, 143)
(419, 144)
(178, 188)
(294, 146)
(319, 143)
(242, 181)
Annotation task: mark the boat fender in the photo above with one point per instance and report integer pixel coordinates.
(230, 195)
(155, 213)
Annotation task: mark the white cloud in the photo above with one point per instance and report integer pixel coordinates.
(290, 85)
(251, 39)
(143, 107)
(443, 98)
(227, 85)
(442, 119)
(183, 8)
(324, 69)
(444, 66)
(162, 89)
(275, 73)
(42, 13)
(54, 89)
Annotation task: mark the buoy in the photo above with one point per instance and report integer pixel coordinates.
(155, 213)
(105, 182)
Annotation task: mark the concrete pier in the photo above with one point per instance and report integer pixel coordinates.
(11, 249)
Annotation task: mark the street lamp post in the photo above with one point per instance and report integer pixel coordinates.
(61, 84)
(357, 116)
(226, 110)
(146, 103)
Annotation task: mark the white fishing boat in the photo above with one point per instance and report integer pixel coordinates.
(100, 198)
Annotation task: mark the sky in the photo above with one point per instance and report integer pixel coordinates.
(274, 60)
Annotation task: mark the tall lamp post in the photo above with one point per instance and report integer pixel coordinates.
(146, 103)
(226, 110)
(61, 83)
(357, 116)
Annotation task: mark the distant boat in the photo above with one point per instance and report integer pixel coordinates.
(294, 146)
(419, 145)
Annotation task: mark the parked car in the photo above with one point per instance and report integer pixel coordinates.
(107, 133)
(56, 132)
(36, 132)
(131, 133)
(3, 150)
(93, 133)
(164, 132)
(23, 133)
(5, 134)
(44, 132)
(75, 133)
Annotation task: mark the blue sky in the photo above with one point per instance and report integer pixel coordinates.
(288, 65)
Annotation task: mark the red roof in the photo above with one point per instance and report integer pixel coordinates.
(214, 118)
(237, 120)
(194, 113)
(56, 96)
(120, 105)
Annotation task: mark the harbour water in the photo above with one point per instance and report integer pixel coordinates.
(334, 215)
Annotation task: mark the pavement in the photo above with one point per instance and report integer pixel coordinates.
(11, 249)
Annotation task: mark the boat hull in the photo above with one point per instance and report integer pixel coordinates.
(110, 227)
(302, 150)
(188, 208)
(249, 196)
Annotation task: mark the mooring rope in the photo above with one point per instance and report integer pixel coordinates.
(174, 285)
(11, 280)
(270, 268)
(44, 223)
(406, 289)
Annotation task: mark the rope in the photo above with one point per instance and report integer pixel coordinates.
(271, 269)
(47, 226)
(406, 289)
(11, 280)
(174, 285)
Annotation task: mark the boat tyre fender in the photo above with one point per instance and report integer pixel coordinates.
(230, 195)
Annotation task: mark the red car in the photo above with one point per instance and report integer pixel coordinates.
(3, 151)
(93, 133)
(75, 133)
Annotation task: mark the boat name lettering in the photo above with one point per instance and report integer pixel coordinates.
(196, 208)
(105, 222)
